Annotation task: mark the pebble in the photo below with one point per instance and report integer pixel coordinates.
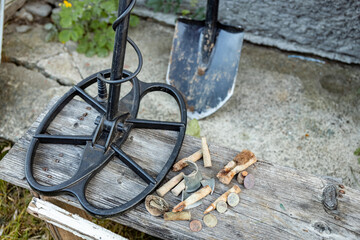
(40, 9)
(233, 199)
(210, 220)
(195, 226)
(23, 28)
(221, 207)
(24, 15)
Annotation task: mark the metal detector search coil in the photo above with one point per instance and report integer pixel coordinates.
(117, 117)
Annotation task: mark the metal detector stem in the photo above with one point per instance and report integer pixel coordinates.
(118, 62)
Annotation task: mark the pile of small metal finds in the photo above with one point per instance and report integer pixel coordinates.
(194, 186)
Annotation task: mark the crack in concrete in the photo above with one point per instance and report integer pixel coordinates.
(34, 66)
(74, 63)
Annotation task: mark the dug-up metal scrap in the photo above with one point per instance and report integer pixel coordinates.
(182, 163)
(193, 198)
(223, 197)
(204, 183)
(155, 205)
(206, 152)
(221, 206)
(241, 176)
(210, 220)
(249, 181)
(177, 216)
(195, 226)
(233, 199)
(191, 182)
(241, 162)
(170, 184)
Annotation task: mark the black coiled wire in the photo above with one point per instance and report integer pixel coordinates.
(132, 43)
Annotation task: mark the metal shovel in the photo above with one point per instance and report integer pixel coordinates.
(204, 61)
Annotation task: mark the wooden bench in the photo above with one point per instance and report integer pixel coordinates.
(284, 204)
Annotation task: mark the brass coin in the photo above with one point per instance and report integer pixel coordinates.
(195, 226)
(233, 199)
(210, 220)
(221, 206)
(249, 181)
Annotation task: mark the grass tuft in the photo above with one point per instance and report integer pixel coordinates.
(16, 223)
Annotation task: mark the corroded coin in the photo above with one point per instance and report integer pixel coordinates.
(195, 226)
(233, 199)
(249, 181)
(221, 206)
(210, 220)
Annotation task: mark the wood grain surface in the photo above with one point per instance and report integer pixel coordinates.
(285, 203)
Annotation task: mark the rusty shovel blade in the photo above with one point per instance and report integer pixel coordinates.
(205, 85)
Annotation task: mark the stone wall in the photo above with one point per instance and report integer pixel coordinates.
(326, 28)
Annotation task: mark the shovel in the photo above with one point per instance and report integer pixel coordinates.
(204, 61)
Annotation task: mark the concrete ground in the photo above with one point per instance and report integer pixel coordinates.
(288, 111)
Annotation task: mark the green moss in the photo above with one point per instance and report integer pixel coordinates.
(193, 128)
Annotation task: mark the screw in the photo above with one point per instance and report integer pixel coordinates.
(97, 120)
(121, 127)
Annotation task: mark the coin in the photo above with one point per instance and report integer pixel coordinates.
(195, 226)
(210, 220)
(240, 178)
(233, 199)
(221, 206)
(249, 181)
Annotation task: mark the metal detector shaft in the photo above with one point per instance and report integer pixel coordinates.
(118, 61)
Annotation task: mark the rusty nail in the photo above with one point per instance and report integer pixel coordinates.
(49, 176)
(88, 108)
(45, 169)
(85, 114)
(342, 191)
(341, 186)
(57, 160)
(340, 195)
(336, 217)
(81, 118)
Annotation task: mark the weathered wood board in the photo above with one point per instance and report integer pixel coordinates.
(73, 223)
(284, 204)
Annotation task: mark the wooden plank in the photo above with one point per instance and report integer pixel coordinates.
(72, 223)
(57, 231)
(284, 204)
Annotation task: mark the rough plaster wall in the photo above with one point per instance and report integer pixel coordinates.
(326, 28)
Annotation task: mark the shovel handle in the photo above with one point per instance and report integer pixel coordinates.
(209, 33)
(212, 9)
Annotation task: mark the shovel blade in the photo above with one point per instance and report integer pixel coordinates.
(205, 89)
